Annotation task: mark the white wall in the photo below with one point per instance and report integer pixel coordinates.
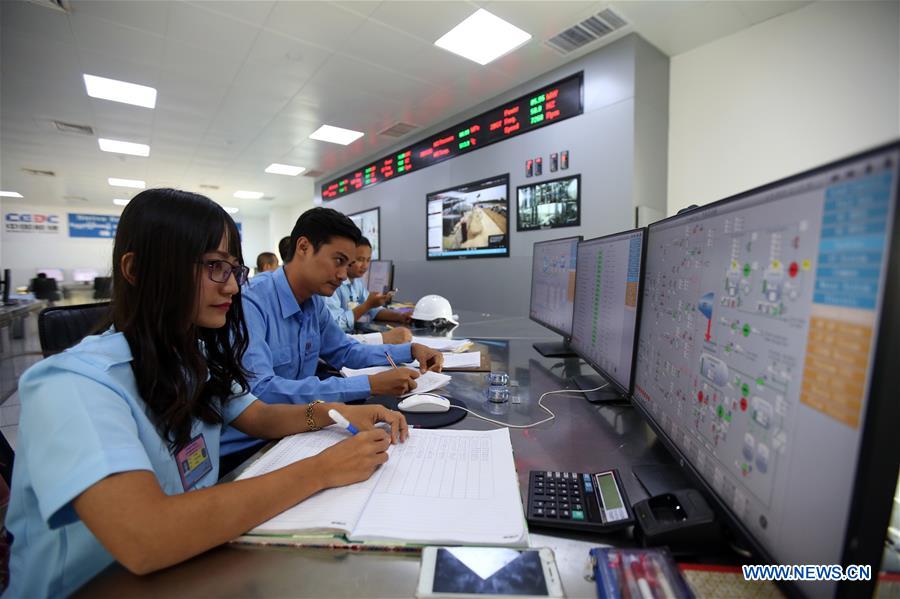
(23, 253)
(788, 94)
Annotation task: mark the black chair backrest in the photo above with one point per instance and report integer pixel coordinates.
(102, 287)
(45, 289)
(61, 327)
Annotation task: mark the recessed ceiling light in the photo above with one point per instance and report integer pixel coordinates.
(248, 195)
(120, 91)
(134, 183)
(336, 135)
(123, 147)
(284, 169)
(121, 202)
(10, 194)
(483, 37)
(231, 210)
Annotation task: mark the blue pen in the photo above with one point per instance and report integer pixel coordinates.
(341, 421)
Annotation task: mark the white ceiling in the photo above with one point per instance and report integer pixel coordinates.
(243, 83)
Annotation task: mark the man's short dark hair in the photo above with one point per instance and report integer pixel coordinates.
(364, 241)
(286, 249)
(319, 225)
(266, 258)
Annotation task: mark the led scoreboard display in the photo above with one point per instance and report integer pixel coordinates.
(546, 106)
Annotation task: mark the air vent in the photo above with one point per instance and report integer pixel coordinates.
(313, 174)
(587, 32)
(208, 186)
(60, 5)
(267, 198)
(38, 172)
(398, 129)
(75, 199)
(73, 128)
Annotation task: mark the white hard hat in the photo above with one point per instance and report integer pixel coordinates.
(434, 307)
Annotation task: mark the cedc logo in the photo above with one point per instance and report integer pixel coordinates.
(24, 217)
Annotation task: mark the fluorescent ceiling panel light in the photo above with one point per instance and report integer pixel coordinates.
(483, 37)
(120, 91)
(133, 183)
(336, 135)
(284, 169)
(123, 147)
(231, 210)
(248, 195)
(10, 194)
(121, 202)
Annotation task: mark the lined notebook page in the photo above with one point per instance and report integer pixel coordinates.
(332, 509)
(447, 486)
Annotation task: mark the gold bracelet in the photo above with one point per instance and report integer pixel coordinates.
(310, 422)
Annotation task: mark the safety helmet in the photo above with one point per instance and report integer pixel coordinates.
(436, 310)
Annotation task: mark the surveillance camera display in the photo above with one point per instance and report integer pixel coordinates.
(469, 220)
(369, 222)
(550, 204)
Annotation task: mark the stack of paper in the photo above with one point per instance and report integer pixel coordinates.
(442, 343)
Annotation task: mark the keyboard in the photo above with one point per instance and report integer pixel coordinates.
(578, 501)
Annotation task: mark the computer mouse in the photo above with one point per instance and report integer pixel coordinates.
(424, 403)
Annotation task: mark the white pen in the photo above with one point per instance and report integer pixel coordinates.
(341, 421)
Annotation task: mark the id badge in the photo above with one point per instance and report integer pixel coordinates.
(193, 462)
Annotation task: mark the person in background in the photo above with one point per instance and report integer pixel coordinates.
(118, 441)
(285, 249)
(352, 301)
(266, 262)
(290, 328)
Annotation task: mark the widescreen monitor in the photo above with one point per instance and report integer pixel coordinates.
(52, 273)
(604, 321)
(553, 291)
(380, 276)
(767, 359)
(469, 220)
(85, 275)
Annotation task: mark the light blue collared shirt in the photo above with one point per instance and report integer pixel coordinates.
(82, 420)
(351, 290)
(286, 341)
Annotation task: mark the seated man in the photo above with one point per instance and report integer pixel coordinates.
(285, 249)
(352, 300)
(266, 262)
(290, 327)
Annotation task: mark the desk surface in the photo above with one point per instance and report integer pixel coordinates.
(583, 437)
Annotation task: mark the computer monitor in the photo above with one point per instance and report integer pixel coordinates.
(6, 282)
(84, 275)
(767, 359)
(52, 273)
(469, 220)
(380, 276)
(553, 291)
(604, 321)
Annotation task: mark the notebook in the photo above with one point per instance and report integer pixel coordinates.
(427, 381)
(442, 343)
(440, 487)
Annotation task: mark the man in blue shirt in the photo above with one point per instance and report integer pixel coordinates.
(290, 328)
(352, 300)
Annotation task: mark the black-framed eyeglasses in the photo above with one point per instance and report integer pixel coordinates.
(219, 271)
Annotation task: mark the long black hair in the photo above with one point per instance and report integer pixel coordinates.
(168, 231)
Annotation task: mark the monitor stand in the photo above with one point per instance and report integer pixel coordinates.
(554, 349)
(606, 395)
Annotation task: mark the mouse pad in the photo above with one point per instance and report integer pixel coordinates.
(421, 419)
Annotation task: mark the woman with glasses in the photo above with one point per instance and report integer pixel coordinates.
(118, 443)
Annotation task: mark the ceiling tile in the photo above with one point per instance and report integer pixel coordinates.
(125, 43)
(320, 23)
(254, 12)
(150, 16)
(286, 56)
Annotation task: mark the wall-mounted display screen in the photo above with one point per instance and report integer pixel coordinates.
(369, 222)
(470, 220)
(549, 204)
(545, 106)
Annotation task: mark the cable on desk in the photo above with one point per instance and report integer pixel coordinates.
(540, 405)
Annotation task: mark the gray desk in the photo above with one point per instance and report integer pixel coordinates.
(19, 345)
(583, 437)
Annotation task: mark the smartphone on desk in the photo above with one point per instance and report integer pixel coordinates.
(476, 572)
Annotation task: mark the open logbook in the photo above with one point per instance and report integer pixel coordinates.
(447, 487)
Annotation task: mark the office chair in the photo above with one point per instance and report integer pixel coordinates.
(61, 327)
(102, 287)
(45, 289)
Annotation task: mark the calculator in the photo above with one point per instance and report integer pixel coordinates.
(578, 501)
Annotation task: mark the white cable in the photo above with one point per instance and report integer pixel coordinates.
(540, 405)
